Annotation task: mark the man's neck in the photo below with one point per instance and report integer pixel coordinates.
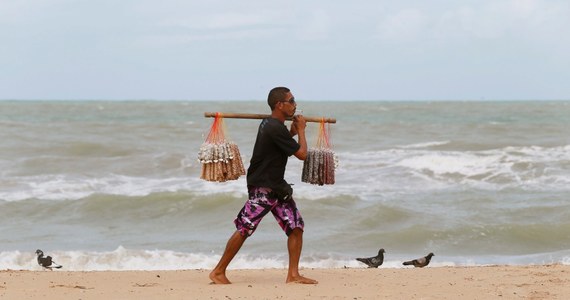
(278, 116)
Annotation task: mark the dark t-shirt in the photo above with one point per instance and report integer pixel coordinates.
(273, 146)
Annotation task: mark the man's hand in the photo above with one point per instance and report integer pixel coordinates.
(299, 124)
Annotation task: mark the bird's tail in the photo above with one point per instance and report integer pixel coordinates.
(408, 263)
(55, 266)
(361, 260)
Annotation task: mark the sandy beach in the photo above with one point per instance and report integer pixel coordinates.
(490, 282)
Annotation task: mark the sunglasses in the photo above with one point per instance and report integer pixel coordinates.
(291, 101)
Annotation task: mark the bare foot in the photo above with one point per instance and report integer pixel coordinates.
(301, 280)
(218, 278)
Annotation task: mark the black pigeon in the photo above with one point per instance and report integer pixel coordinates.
(47, 261)
(420, 262)
(374, 262)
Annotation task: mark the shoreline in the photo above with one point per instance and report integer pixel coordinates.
(481, 282)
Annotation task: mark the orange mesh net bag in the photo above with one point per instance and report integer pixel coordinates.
(321, 162)
(220, 158)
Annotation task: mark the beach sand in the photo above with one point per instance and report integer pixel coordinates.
(488, 282)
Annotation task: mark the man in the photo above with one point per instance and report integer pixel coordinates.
(265, 177)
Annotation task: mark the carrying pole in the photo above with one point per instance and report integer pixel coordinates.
(262, 116)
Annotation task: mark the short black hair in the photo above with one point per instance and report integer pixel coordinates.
(277, 94)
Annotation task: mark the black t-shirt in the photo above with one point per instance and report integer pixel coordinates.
(273, 146)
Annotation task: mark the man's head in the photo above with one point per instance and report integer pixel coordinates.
(282, 103)
(278, 94)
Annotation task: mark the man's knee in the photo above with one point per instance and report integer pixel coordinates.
(296, 232)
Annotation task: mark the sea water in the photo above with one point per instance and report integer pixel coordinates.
(114, 185)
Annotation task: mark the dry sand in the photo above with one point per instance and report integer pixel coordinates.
(492, 282)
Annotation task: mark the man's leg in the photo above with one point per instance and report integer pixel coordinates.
(254, 209)
(295, 245)
(218, 274)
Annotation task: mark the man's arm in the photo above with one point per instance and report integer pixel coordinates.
(298, 127)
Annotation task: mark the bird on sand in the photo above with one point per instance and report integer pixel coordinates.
(47, 261)
(375, 261)
(419, 262)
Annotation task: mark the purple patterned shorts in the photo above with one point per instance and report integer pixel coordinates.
(259, 203)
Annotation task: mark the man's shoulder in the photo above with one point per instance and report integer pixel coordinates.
(273, 121)
(272, 124)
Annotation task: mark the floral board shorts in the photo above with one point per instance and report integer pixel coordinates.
(260, 202)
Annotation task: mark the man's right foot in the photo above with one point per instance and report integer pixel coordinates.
(301, 280)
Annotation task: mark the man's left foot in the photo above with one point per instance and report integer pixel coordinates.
(218, 278)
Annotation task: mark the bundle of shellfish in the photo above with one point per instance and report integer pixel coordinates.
(221, 160)
(320, 164)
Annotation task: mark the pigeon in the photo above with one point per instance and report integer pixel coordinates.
(47, 261)
(374, 262)
(420, 262)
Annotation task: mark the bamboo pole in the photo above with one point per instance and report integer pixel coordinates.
(262, 116)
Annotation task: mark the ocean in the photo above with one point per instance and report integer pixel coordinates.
(115, 185)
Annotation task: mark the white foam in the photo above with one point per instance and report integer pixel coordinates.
(69, 187)
(359, 174)
(466, 164)
(529, 167)
(119, 259)
(123, 259)
(424, 145)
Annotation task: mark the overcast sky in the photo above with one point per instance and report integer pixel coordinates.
(321, 49)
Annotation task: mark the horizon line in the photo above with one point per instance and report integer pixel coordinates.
(308, 100)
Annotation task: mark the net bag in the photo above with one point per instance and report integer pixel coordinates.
(220, 159)
(321, 162)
